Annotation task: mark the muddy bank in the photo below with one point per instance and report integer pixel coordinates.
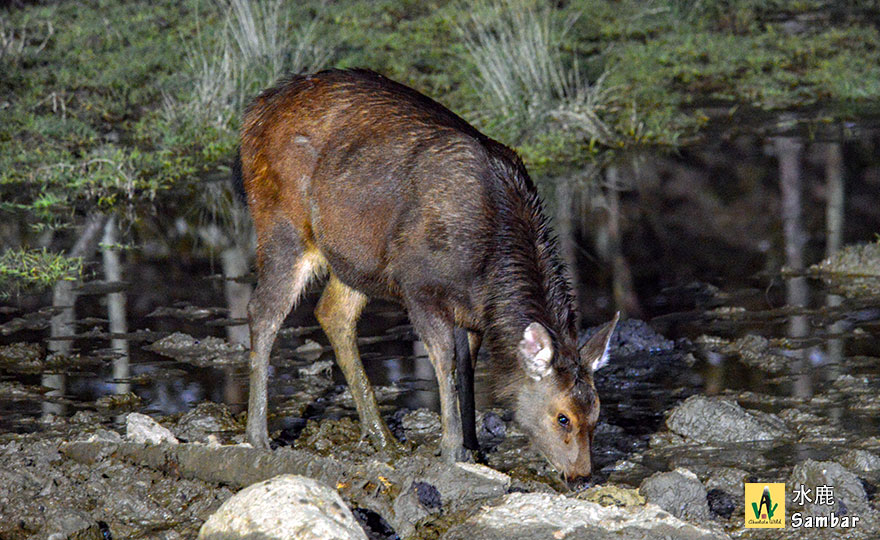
(43, 491)
(84, 481)
(140, 478)
(671, 458)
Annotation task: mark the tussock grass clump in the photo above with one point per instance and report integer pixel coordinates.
(256, 45)
(528, 83)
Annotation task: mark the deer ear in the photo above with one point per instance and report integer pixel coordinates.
(536, 350)
(594, 352)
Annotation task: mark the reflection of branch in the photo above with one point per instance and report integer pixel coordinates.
(88, 240)
(63, 295)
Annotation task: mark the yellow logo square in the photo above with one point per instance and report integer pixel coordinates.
(765, 506)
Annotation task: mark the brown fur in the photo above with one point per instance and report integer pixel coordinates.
(401, 199)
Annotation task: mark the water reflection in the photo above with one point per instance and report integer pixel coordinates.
(116, 312)
(237, 294)
(834, 223)
(695, 243)
(626, 298)
(788, 152)
(236, 266)
(64, 301)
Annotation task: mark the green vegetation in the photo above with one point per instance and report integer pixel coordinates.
(23, 270)
(106, 104)
(533, 91)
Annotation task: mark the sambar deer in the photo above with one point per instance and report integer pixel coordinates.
(350, 174)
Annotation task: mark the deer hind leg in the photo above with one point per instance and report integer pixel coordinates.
(338, 312)
(284, 270)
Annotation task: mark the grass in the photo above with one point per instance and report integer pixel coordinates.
(105, 104)
(530, 86)
(75, 90)
(256, 46)
(23, 270)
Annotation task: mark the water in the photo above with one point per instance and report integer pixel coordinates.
(704, 234)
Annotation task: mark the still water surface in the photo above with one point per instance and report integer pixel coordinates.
(712, 242)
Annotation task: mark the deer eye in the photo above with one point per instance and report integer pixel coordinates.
(563, 420)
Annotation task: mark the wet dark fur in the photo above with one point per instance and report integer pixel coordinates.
(528, 282)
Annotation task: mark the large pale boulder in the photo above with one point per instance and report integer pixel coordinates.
(286, 507)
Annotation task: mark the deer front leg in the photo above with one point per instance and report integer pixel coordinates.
(465, 357)
(437, 334)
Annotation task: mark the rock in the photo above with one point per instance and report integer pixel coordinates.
(420, 500)
(631, 336)
(447, 487)
(286, 507)
(610, 495)
(304, 391)
(678, 492)
(22, 357)
(119, 403)
(849, 384)
(31, 321)
(87, 419)
(428, 495)
(492, 429)
(526, 516)
(515, 448)
(664, 439)
(853, 270)
(810, 427)
(465, 482)
(860, 460)
(755, 351)
(310, 350)
(848, 491)
(421, 426)
(202, 352)
(374, 525)
(330, 436)
(107, 442)
(718, 420)
(628, 472)
(206, 421)
(721, 503)
(384, 395)
(140, 428)
(729, 480)
(323, 369)
(67, 524)
(15, 391)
